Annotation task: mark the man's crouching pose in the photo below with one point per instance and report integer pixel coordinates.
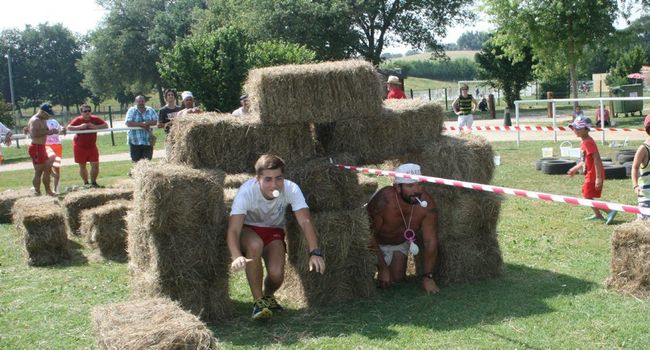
(396, 213)
(256, 230)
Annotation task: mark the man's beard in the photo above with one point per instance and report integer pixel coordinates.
(410, 199)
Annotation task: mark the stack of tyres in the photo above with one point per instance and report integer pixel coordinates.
(557, 167)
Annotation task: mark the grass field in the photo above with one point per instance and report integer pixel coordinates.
(549, 296)
(426, 56)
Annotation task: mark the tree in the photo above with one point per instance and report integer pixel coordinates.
(503, 72)
(629, 62)
(471, 40)
(556, 30)
(275, 53)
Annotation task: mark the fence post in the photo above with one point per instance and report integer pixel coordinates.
(411, 92)
(110, 122)
(549, 105)
(429, 94)
(493, 113)
(446, 101)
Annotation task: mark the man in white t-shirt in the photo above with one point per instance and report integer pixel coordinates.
(5, 137)
(256, 230)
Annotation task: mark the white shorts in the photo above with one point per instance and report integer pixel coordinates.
(388, 250)
(465, 120)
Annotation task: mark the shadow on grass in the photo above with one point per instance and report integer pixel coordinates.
(521, 292)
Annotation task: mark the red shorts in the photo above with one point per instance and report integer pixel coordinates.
(38, 154)
(589, 190)
(84, 155)
(268, 234)
(55, 150)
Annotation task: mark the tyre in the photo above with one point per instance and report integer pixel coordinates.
(628, 169)
(557, 167)
(538, 163)
(605, 163)
(606, 159)
(615, 172)
(624, 158)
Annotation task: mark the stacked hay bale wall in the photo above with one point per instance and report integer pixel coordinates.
(104, 228)
(403, 126)
(343, 237)
(156, 323)
(630, 264)
(176, 238)
(41, 225)
(317, 93)
(233, 144)
(7, 200)
(76, 202)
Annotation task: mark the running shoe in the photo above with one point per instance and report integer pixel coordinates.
(273, 304)
(261, 310)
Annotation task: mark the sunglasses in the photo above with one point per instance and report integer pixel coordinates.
(86, 111)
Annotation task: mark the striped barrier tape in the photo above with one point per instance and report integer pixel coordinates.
(530, 128)
(126, 128)
(502, 190)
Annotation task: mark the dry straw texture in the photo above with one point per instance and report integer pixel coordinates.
(176, 238)
(317, 93)
(233, 144)
(104, 228)
(236, 180)
(229, 194)
(41, 225)
(7, 200)
(325, 186)
(150, 324)
(368, 184)
(403, 126)
(630, 265)
(343, 237)
(76, 202)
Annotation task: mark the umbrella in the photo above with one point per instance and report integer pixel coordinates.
(636, 76)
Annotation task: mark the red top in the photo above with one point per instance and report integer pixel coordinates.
(86, 140)
(588, 147)
(396, 93)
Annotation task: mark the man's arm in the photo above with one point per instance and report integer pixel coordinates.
(316, 263)
(598, 167)
(102, 124)
(235, 225)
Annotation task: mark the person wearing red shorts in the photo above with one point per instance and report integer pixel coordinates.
(256, 231)
(38, 132)
(594, 171)
(55, 150)
(84, 145)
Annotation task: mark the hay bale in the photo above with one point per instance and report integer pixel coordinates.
(126, 183)
(7, 200)
(350, 264)
(233, 144)
(104, 228)
(325, 187)
(149, 324)
(630, 264)
(176, 238)
(236, 180)
(403, 126)
(41, 225)
(369, 185)
(76, 202)
(317, 93)
(229, 194)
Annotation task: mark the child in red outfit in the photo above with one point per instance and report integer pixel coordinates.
(594, 171)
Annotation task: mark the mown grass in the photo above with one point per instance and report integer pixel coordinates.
(425, 56)
(549, 296)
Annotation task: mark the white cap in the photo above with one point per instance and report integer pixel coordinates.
(393, 80)
(186, 94)
(408, 168)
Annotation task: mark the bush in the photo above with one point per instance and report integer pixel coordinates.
(560, 89)
(459, 69)
(276, 53)
(5, 114)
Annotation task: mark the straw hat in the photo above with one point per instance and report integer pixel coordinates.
(393, 80)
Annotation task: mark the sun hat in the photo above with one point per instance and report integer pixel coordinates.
(393, 80)
(579, 124)
(407, 168)
(186, 94)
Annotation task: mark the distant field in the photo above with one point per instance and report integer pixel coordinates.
(426, 55)
(423, 84)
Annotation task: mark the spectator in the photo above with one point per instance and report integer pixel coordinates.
(5, 136)
(483, 105)
(243, 100)
(141, 140)
(168, 112)
(38, 132)
(578, 113)
(84, 145)
(54, 150)
(598, 119)
(394, 88)
(641, 171)
(463, 106)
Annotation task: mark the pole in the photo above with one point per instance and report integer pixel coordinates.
(446, 101)
(517, 122)
(493, 112)
(602, 121)
(11, 89)
(411, 93)
(429, 94)
(554, 124)
(110, 122)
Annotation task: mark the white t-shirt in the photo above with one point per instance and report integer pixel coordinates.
(263, 212)
(238, 112)
(52, 124)
(3, 130)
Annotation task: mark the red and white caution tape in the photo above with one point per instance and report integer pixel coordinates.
(530, 128)
(503, 190)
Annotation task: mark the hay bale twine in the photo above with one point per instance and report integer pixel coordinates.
(41, 225)
(76, 202)
(7, 200)
(176, 238)
(403, 126)
(326, 187)
(314, 93)
(104, 228)
(630, 263)
(156, 323)
(233, 144)
(350, 264)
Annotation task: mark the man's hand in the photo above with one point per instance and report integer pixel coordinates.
(53, 132)
(239, 263)
(430, 286)
(317, 264)
(384, 278)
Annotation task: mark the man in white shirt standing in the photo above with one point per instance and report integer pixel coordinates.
(256, 230)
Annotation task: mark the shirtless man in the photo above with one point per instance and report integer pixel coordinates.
(38, 132)
(393, 211)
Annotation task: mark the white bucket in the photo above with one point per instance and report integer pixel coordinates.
(497, 160)
(547, 152)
